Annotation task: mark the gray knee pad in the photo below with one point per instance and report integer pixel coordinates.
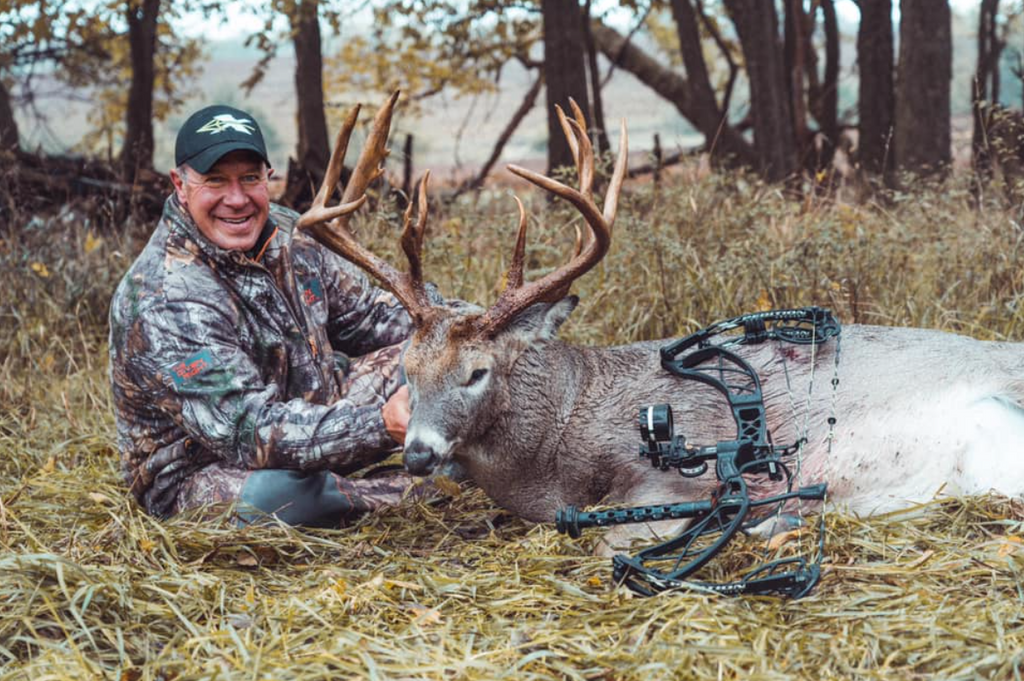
(306, 499)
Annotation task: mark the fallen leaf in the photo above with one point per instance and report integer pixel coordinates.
(447, 487)
(423, 614)
(782, 538)
(1012, 544)
(247, 560)
(92, 242)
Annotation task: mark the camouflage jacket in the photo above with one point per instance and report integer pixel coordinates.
(223, 355)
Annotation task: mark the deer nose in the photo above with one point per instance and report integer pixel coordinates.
(419, 458)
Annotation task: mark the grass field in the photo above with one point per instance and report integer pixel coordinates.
(90, 587)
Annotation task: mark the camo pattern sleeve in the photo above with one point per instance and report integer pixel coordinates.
(362, 317)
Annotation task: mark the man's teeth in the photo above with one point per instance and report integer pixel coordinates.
(235, 221)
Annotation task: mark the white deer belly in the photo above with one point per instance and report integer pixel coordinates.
(959, 440)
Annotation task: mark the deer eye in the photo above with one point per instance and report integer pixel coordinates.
(476, 377)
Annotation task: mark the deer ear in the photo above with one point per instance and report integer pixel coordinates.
(541, 321)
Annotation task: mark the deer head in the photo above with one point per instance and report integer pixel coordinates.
(461, 356)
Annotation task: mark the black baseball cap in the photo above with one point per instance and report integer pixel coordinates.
(210, 133)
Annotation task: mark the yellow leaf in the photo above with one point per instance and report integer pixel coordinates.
(40, 269)
(447, 487)
(99, 498)
(764, 302)
(423, 614)
(248, 560)
(92, 242)
(782, 538)
(594, 581)
(146, 545)
(49, 466)
(1012, 544)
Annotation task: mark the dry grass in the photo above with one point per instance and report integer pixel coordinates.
(92, 588)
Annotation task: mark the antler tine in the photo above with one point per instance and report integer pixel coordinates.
(585, 159)
(335, 235)
(514, 276)
(369, 166)
(518, 296)
(412, 239)
(570, 136)
(578, 247)
(611, 197)
(318, 211)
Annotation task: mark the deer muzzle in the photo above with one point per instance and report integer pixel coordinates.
(425, 449)
(419, 459)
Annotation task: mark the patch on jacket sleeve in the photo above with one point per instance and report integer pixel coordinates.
(312, 291)
(184, 371)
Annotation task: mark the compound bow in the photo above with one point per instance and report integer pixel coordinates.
(752, 452)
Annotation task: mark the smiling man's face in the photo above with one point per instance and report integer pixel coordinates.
(231, 203)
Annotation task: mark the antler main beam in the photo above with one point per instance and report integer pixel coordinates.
(517, 296)
(329, 225)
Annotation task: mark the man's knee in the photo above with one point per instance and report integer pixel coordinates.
(294, 498)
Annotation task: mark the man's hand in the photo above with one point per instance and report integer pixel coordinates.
(396, 414)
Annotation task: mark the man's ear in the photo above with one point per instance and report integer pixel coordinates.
(179, 186)
(541, 321)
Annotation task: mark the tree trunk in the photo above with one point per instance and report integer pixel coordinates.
(599, 128)
(708, 116)
(985, 84)
(796, 45)
(314, 147)
(826, 100)
(137, 151)
(8, 125)
(758, 28)
(722, 140)
(875, 97)
(922, 136)
(564, 72)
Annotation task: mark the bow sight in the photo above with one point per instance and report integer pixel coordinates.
(716, 521)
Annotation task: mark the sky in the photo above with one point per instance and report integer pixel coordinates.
(241, 23)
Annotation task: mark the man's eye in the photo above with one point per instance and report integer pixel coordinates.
(476, 377)
(251, 179)
(215, 182)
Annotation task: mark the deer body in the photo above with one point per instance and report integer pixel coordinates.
(540, 424)
(918, 411)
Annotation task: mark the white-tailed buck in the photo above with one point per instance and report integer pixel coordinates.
(540, 424)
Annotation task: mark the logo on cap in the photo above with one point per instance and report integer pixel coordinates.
(225, 122)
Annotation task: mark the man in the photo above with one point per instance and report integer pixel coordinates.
(230, 339)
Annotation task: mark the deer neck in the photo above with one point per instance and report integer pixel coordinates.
(532, 474)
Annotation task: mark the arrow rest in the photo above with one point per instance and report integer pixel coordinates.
(714, 523)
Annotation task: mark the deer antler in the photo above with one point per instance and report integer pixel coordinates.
(329, 225)
(517, 296)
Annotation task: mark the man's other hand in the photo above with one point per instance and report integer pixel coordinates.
(396, 414)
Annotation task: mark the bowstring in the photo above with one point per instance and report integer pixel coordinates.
(802, 441)
(802, 433)
(828, 449)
